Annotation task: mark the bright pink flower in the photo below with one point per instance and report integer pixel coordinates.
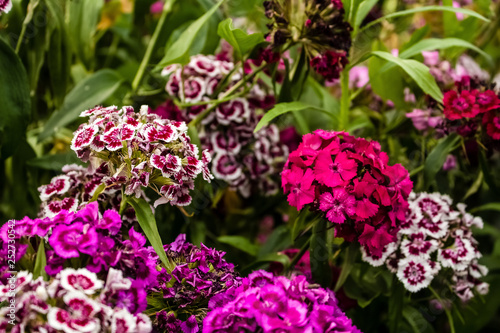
(335, 173)
(460, 106)
(302, 191)
(338, 205)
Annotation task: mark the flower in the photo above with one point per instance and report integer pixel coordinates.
(435, 237)
(74, 301)
(265, 303)
(138, 150)
(329, 64)
(458, 106)
(349, 180)
(5, 6)
(247, 161)
(200, 275)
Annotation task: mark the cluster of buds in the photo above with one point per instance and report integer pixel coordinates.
(318, 25)
(75, 187)
(75, 301)
(142, 150)
(435, 237)
(241, 157)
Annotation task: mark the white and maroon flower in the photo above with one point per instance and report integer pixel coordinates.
(79, 318)
(226, 167)
(143, 323)
(174, 86)
(115, 136)
(194, 89)
(169, 69)
(123, 322)
(55, 207)
(58, 185)
(418, 246)
(169, 164)
(459, 255)
(5, 6)
(376, 260)
(166, 133)
(204, 65)
(415, 274)
(83, 137)
(236, 111)
(80, 280)
(226, 143)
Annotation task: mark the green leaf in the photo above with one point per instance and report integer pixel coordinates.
(363, 10)
(434, 162)
(54, 162)
(347, 265)
(495, 206)
(283, 108)
(15, 99)
(97, 192)
(389, 84)
(431, 44)
(241, 243)
(416, 320)
(278, 240)
(426, 9)
(396, 302)
(40, 262)
(417, 71)
(147, 222)
(178, 53)
(487, 172)
(241, 42)
(91, 91)
(320, 254)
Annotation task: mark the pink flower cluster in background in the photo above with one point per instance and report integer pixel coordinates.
(140, 150)
(75, 301)
(247, 161)
(435, 237)
(349, 180)
(265, 303)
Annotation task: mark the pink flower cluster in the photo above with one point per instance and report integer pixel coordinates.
(265, 303)
(433, 238)
(242, 158)
(75, 301)
(74, 188)
(142, 150)
(349, 180)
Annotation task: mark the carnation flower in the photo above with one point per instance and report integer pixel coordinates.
(247, 161)
(141, 150)
(265, 303)
(318, 25)
(200, 274)
(349, 180)
(5, 6)
(435, 237)
(74, 301)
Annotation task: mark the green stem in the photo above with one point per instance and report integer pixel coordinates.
(29, 16)
(299, 255)
(345, 100)
(448, 313)
(167, 8)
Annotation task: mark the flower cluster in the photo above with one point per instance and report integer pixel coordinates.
(75, 187)
(200, 274)
(434, 237)
(75, 301)
(350, 181)
(5, 6)
(319, 25)
(265, 303)
(96, 240)
(142, 150)
(241, 157)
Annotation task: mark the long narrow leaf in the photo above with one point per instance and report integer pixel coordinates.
(435, 160)
(147, 222)
(40, 262)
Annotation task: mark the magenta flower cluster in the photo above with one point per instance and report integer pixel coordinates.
(75, 301)
(247, 161)
(435, 237)
(265, 303)
(96, 240)
(142, 150)
(200, 274)
(349, 180)
(75, 187)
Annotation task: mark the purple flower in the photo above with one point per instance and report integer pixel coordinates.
(70, 241)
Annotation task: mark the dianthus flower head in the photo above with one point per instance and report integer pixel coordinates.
(349, 180)
(265, 303)
(5, 6)
(435, 237)
(318, 25)
(247, 161)
(74, 301)
(141, 150)
(200, 274)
